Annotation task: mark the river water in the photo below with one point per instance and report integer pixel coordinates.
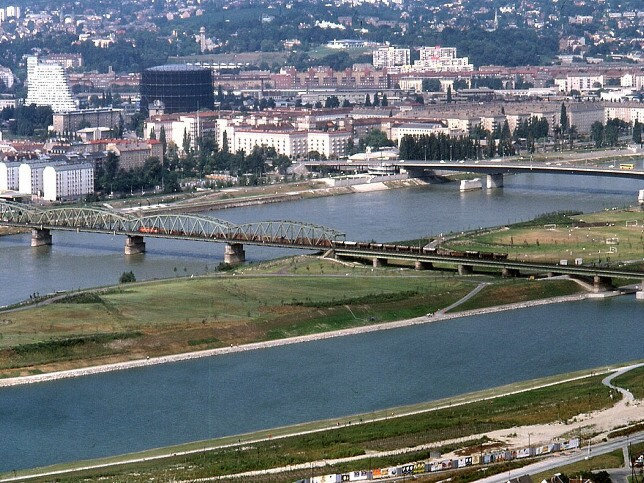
(81, 260)
(132, 410)
(142, 408)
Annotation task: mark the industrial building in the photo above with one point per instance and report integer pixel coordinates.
(180, 87)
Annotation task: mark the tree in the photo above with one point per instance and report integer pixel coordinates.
(563, 119)
(127, 277)
(449, 94)
(376, 99)
(224, 143)
(332, 101)
(384, 102)
(153, 135)
(186, 142)
(367, 101)
(597, 133)
(637, 132)
(346, 103)
(163, 140)
(376, 139)
(431, 85)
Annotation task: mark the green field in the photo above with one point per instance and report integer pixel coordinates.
(514, 291)
(605, 237)
(301, 296)
(560, 402)
(633, 381)
(282, 298)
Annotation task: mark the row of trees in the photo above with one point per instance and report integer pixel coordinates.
(604, 135)
(27, 120)
(444, 147)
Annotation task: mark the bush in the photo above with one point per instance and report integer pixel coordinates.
(127, 277)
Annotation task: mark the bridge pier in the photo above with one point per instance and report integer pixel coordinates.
(494, 181)
(40, 237)
(134, 245)
(509, 272)
(639, 295)
(234, 254)
(601, 284)
(379, 262)
(465, 269)
(420, 265)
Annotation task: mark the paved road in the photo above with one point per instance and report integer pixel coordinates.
(565, 459)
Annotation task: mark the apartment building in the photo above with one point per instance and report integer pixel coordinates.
(9, 175)
(579, 83)
(68, 181)
(47, 85)
(387, 57)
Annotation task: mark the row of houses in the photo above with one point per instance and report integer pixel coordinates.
(297, 131)
(48, 179)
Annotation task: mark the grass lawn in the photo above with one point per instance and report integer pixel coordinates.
(633, 381)
(511, 291)
(181, 315)
(559, 402)
(620, 231)
(614, 459)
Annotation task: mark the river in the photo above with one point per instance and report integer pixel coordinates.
(81, 260)
(131, 410)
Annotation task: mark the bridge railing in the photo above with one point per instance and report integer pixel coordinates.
(169, 225)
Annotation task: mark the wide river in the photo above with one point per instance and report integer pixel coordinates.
(87, 260)
(143, 408)
(136, 409)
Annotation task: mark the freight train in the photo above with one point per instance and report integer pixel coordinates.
(321, 243)
(388, 247)
(436, 465)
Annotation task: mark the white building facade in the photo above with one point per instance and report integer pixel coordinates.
(387, 57)
(9, 175)
(67, 182)
(47, 85)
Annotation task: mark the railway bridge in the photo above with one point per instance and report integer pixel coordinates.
(289, 234)
(286, 234)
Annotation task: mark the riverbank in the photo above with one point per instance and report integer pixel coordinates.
(240, 197)
(150, 361)
(374, 437)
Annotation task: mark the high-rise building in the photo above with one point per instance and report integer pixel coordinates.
(441, 59)
(391, 57)
(181, 88)
(47, 85)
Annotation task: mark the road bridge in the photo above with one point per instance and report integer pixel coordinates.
(494, 169)
(42, 221)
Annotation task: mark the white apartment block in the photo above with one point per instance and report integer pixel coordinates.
(66, 182)
(9, 175)
(441, 59)
(47, 85)
(579, 83)
(30, 178)
(417, 129)
(332, 144)
(627, 113)
(177, 126)
(387, 57)
(293, 144)
(635, 81)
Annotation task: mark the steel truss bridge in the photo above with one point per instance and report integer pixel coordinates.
(287, 234)
(179, 226)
